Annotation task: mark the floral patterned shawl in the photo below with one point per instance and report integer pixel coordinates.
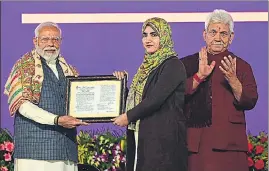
(25, 80)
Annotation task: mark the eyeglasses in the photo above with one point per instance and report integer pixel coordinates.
(53, 39)
(223, 34)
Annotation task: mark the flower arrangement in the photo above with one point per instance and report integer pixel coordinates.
(105, 151)
(6, 151)
(258, 152)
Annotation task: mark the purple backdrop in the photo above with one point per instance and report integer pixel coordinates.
(103, 48)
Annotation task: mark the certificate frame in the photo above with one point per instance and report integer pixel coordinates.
(73, 83)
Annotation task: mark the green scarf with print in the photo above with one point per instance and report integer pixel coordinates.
(151, 61)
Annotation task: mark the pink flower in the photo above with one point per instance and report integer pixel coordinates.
(9, 146)
(103, 158)
(118, 147)
(4, 168)
(123, 159)
(115, 152)
(2, 147)
(7, 157)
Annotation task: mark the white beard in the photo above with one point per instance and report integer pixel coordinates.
(49, 57)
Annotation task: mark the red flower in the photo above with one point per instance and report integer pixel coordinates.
(259, 164)
(250, 147)
(250, 162)
(259, 149)
(7, 157)
(263, 139)
(9, 146)
(4, 168)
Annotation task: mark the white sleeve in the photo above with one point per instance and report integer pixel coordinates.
(35, 113)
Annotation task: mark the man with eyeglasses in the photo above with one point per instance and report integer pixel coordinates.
(44, 136)
(220, 88)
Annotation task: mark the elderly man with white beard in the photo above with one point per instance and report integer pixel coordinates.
(45, 137)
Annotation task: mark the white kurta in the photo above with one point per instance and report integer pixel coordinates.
(37, 114)
(42, 165)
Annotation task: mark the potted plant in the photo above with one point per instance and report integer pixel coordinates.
(6, 151)
(102, 150)
(258, 152)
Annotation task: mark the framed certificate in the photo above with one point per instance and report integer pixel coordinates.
(95, 98)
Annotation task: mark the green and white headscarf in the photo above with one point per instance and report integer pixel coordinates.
(151, 61)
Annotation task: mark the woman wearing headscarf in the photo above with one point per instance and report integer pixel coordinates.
(156, 134)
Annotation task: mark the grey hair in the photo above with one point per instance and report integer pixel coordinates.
(46, 24)
(220, 16)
